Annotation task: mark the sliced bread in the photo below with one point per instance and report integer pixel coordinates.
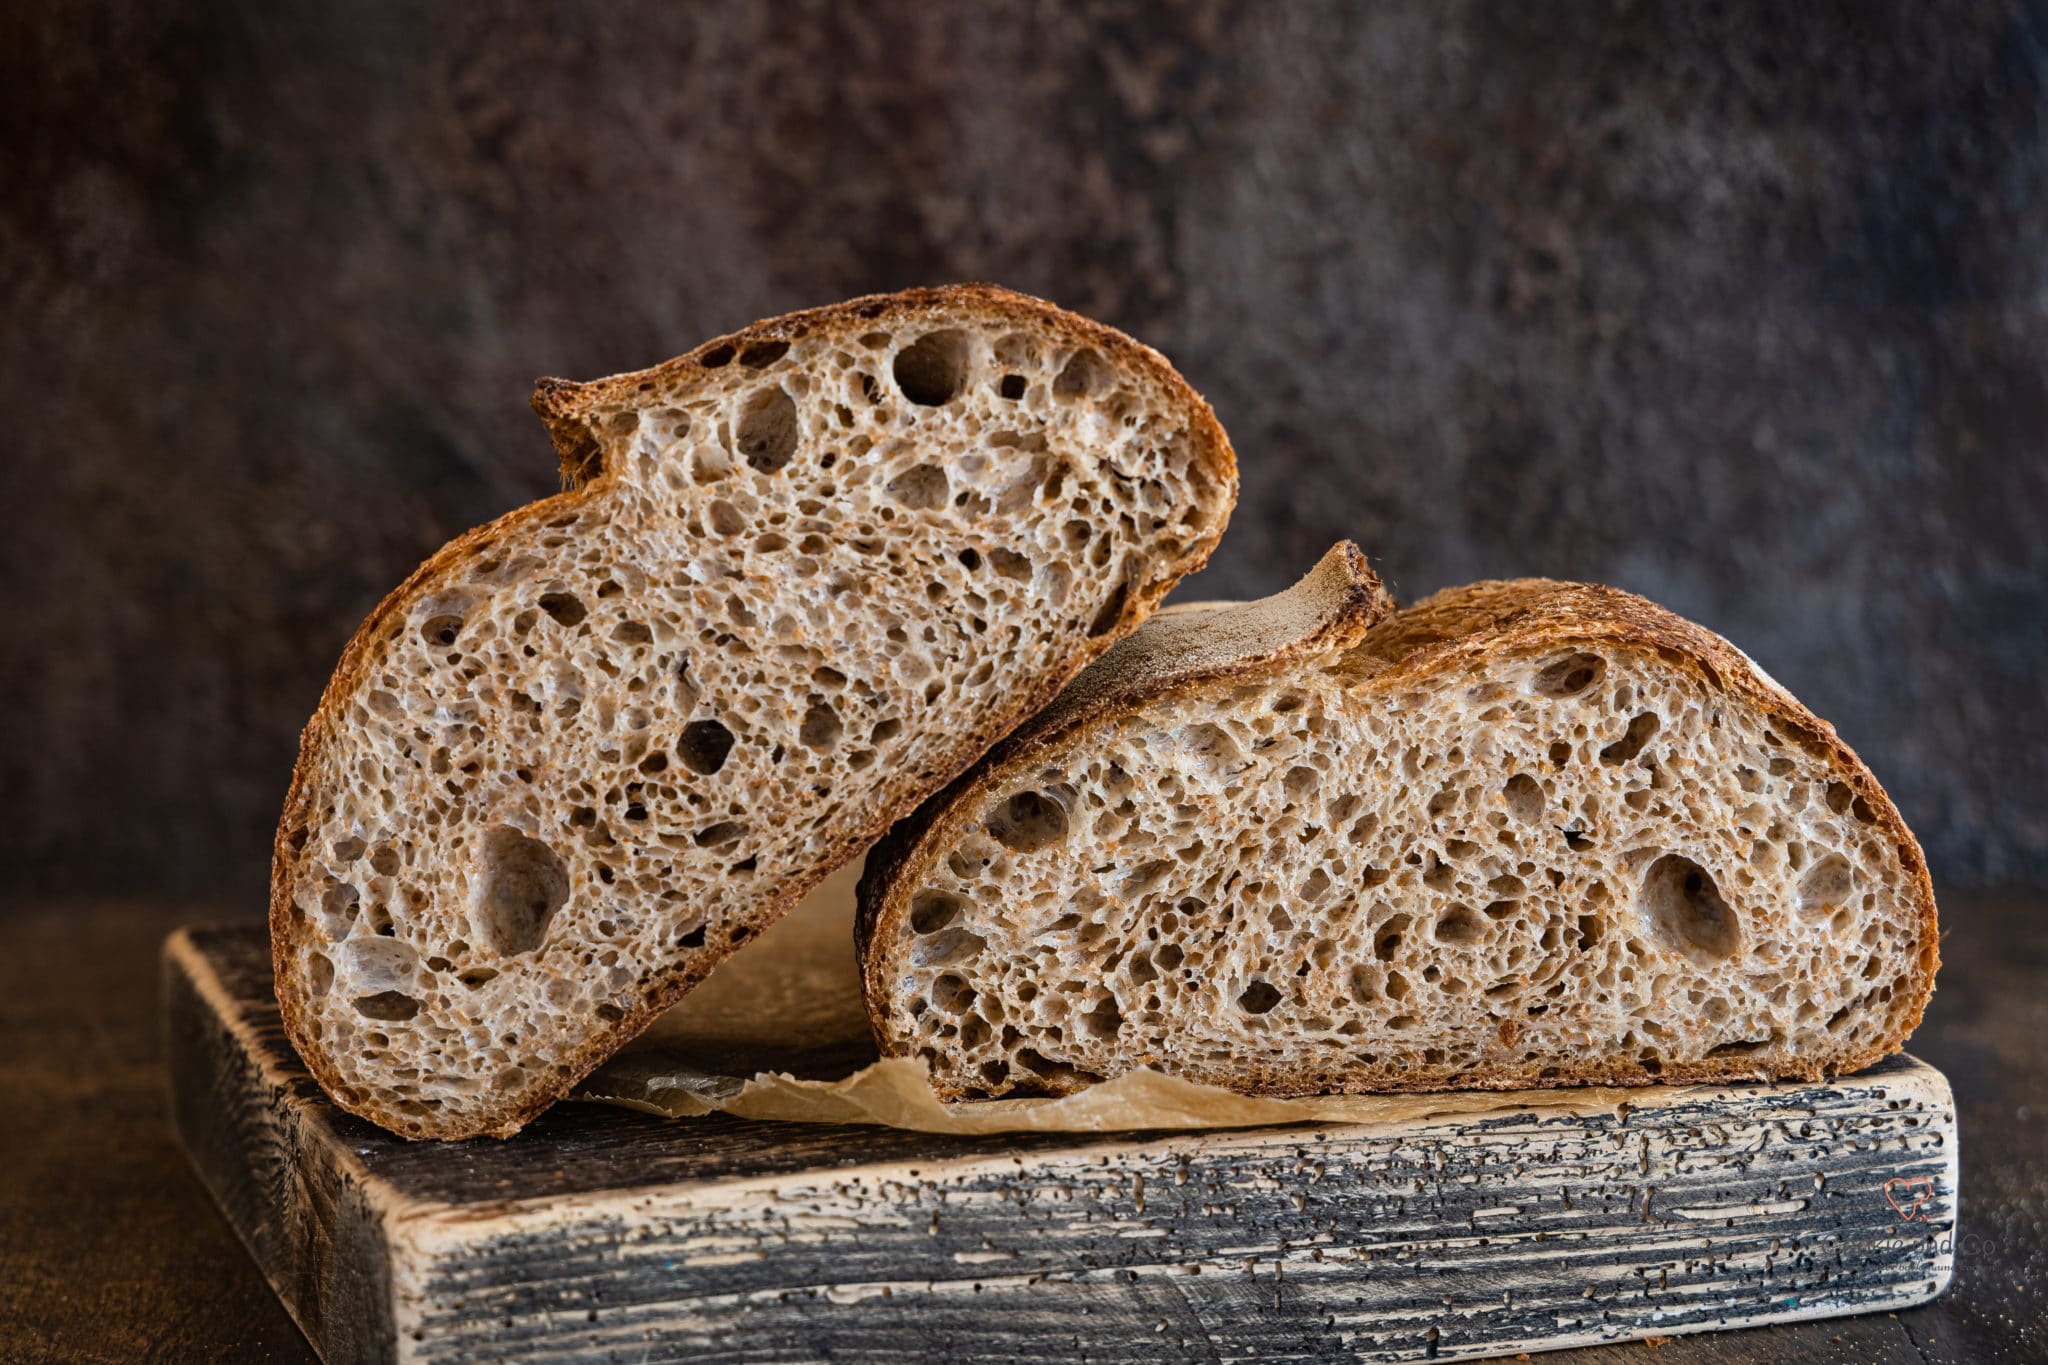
(800, 578)
(1524, 834)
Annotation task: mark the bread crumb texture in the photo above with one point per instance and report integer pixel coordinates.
(809, 573)
(1525, 834)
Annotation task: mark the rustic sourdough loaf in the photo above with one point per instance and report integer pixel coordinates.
(802, 576)
(1526, 833)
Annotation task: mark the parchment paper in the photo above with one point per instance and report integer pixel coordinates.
(779, 1032)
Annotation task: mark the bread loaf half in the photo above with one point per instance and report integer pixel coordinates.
(1523, 834)
(802, 576)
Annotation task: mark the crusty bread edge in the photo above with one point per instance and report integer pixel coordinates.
(568, 409)
(1612, 619)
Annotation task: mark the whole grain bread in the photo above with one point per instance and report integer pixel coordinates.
(1523, 834)
(799, 579)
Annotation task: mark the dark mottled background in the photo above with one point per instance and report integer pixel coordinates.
(1741, 306)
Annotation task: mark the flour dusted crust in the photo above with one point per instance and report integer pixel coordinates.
(799, 579)
(1524, 833)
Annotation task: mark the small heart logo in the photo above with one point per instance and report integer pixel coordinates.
(1909, 1195)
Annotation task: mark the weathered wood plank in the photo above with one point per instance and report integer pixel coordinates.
(602, 1235)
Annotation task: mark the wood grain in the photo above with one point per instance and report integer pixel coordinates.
(601, 1235)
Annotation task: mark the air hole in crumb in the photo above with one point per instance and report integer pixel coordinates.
(946, 948)
(1012, 387)
(1744, 1047)
(762, 354)
(522, 884)
(693, 938)
(726, 519)
(340, 901)
(1569, 676)
(1387, 941)
(931, 911)
(441, 630)
(931, 369)
(767, 432)
(610, 1014)
(1827, 884)
(921, 486)
(820, 729)
(632, 633)
(1524, 795)
(1684, 911)
(1258, 998)
(1028, 821)
(1630, 744)
(319, 972)
(565, 607)
(1362, 984)
(477, 976)
(1459, 924)
(951, 994)
(391, 1006)
(1103, 1021)
(720, 834)
(1084, 373)
(970, 558)
(1011, 565)
(703, 746)
(1058, 1073)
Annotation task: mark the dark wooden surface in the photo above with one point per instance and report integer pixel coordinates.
(110, 1250)
(606, 1235)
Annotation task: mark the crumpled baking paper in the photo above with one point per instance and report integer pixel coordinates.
(779, 1032)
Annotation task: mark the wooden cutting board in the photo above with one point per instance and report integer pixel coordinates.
(599, 1234)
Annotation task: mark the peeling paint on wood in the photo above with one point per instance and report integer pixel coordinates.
(602, 1235)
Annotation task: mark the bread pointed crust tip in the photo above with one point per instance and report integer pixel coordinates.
(801, 578)
(1523, 834)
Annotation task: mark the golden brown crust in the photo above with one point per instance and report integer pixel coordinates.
(570, 411)
(1441, 634)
